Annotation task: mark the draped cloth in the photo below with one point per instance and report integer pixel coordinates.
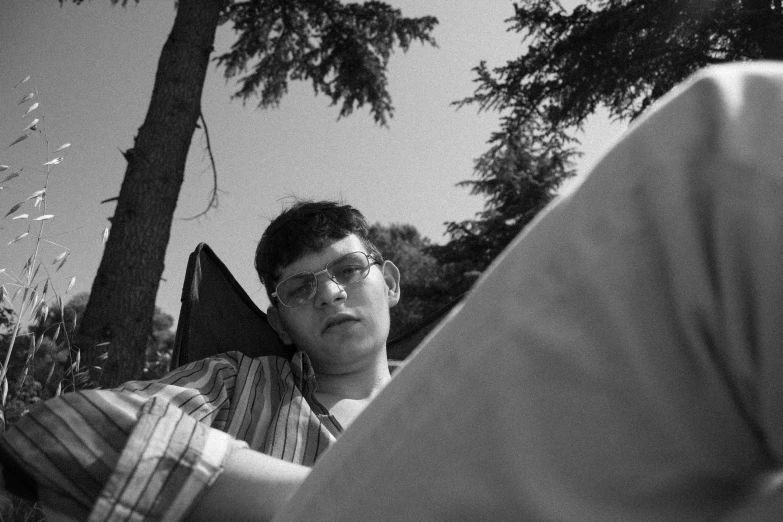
(621, 360)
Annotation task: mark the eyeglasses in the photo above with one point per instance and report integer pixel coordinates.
(298, 289)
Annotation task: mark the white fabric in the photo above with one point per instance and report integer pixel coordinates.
(621, 360)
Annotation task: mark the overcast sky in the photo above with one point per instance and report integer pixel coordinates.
(93, 66)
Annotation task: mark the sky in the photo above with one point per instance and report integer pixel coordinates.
(92, 67)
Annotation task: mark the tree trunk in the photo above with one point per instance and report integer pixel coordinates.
(118, 318)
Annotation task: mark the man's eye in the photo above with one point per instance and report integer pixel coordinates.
(299, 289)
(348, 271)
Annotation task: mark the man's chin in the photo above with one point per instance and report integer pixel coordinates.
(347, 349)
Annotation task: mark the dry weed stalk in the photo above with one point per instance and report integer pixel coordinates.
(34, 295)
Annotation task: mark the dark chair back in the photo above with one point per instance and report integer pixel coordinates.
(218, 316)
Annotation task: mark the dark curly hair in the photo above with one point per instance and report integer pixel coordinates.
(304, 227)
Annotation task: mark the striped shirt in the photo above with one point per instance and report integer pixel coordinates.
(148, 449)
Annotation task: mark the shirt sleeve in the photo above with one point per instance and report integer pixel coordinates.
(168, 461)
(142, 452)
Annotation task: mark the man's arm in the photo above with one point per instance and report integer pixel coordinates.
(252, 486)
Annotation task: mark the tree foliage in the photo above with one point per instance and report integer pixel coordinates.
(7, 320)
(429, 287)
(518, 176)
(622, 54)
(422, 283)
(619, 54)
(160, 339)
(342, 49)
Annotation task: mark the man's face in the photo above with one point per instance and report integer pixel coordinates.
(342, 327)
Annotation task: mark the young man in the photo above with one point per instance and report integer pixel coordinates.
(345, 339)
(229, 436)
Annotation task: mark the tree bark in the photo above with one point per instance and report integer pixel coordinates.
(122, 300)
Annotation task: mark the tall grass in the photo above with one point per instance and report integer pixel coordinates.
(32, 323)
(37, 359)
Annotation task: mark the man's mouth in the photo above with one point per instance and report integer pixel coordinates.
(337, 320)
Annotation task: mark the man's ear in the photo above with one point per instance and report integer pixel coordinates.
(391, 274)
(273, 316)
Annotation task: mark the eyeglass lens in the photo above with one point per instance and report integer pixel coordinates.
(300, 288)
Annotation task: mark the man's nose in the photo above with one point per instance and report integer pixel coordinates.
(328, 291)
